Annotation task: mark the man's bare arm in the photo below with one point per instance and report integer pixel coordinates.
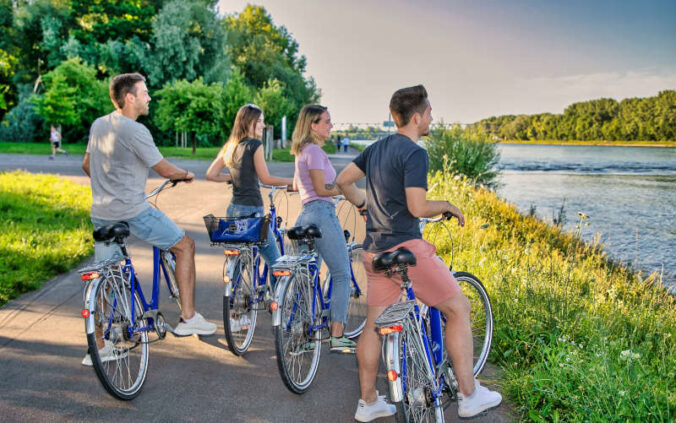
(85, 164)
(169, 171)
(346, 181)
(419, 206)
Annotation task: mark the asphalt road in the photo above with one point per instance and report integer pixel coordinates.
(190, 379)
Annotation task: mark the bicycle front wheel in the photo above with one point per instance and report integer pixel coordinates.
(481, 318)
(418, 403)
(297, 344)
(239, 315)
(118, 347)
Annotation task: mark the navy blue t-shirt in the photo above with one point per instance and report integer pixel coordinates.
(391, 165)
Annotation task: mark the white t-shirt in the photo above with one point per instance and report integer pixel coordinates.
(121, 151)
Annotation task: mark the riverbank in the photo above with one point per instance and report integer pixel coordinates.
(579, 337)
(599, 143)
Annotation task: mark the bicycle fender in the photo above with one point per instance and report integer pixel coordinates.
(230, 271)
(392, 362)
(90, 303)
(279, 291)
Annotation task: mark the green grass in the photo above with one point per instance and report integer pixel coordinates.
(580, 338)
(358, 147)
(44, 230)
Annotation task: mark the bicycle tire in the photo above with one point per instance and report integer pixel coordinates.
(481, 318)
(239, 305)
(297, 352)
(123, 377)
(357, 307)
(417, 404)
(170, 268)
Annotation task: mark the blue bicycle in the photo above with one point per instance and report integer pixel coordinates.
(246, 279)
(118, 318)
(420, 375)
(302, 308)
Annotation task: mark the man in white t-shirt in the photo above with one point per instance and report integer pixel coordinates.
(119, 155)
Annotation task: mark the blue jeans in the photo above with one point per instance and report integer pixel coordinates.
(268, 249)
(332, 248)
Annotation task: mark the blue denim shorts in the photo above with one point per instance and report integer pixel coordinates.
(151, 226)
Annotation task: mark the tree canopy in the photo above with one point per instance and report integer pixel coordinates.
(632, 119)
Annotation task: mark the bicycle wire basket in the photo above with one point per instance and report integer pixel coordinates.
(237, 229)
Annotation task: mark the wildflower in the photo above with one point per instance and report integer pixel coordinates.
(582, 216)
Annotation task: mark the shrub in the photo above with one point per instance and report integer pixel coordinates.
(467, 153)
(23, 124)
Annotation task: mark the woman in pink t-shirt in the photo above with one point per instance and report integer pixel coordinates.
(315, 179)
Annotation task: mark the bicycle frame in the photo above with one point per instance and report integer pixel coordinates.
(159, 269)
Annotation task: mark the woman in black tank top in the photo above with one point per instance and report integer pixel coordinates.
(242, 154)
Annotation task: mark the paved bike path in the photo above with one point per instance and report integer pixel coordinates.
(190, 379)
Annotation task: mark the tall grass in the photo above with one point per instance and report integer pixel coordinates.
(580, 338)
(466, 153)
(44, 230)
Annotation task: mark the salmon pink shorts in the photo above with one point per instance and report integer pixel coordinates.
(432, 281)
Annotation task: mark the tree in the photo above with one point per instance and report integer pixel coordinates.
(190, 107)
(73, 97)
(274, 104)
(235, 94)
(188, 42)
(264, 52)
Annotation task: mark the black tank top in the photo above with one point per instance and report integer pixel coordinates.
(244, 178)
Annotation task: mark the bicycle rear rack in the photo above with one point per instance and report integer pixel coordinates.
(395, 313)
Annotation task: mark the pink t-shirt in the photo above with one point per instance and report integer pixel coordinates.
(312, 158)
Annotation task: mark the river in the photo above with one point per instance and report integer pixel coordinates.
(629, 194)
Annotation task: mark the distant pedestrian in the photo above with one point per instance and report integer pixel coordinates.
(55, 139)
(346, 143)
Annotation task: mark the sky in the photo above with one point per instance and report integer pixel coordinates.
(478, 58)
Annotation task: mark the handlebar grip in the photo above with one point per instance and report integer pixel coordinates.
(363, 212)
(448, 215)
(176, 181)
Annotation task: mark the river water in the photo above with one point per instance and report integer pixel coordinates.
(629, 194)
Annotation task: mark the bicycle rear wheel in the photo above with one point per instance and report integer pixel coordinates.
(298, 348)
(357, 308)
(418, 404)
(481, 318)
(239, 315)
(122, 362)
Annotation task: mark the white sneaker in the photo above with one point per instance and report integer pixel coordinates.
(196, 325)
(379, 408)
(481, 400)
(107, 353)
(237, 325)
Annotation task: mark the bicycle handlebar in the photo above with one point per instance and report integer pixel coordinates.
(166, 182)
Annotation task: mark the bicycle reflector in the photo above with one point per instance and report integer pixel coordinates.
(392, 375)
(226, 278)
(89, 276)
(390, 329)
(278, 273)
(85, 313)
(229, 252)
(274, 306)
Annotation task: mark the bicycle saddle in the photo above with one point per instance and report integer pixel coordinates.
(304, 232)
(384, 261)
(117, 232)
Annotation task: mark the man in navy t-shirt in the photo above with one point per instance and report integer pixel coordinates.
(396, 197)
